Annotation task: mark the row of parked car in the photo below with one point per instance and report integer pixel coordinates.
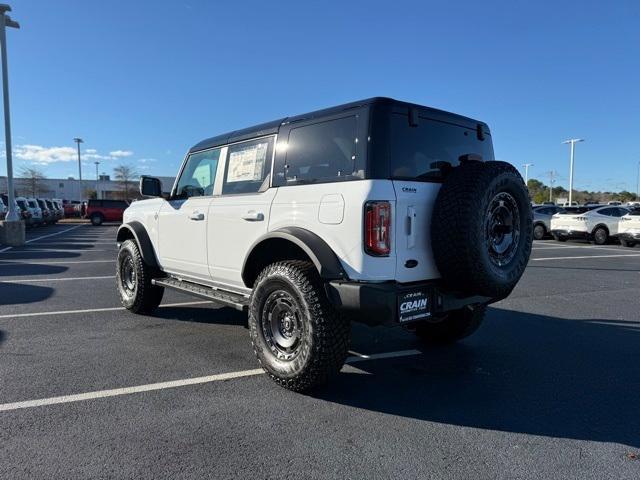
(35, 211)
(599, 224)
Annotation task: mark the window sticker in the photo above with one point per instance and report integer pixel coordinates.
(247, 165)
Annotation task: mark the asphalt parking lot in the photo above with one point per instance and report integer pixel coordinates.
(549, 387)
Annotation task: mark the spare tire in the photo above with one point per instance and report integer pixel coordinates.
(481, 229)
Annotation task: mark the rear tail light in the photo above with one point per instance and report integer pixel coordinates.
(377, 222)
(581, 219)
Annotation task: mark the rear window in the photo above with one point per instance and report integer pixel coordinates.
(22, 204)
(426, 151)
(114, 204)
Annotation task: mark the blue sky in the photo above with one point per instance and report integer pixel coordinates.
(142, 81)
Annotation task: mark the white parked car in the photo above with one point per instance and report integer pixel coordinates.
(36, 214)
(629, 229)
(35, 210)
(597, 224)
(377, 211)
(3, 210)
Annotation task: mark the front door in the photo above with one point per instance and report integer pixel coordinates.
(182, 221)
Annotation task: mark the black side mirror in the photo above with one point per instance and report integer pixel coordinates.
(150, 187)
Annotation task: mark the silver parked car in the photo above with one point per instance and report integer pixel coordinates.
(542, 220)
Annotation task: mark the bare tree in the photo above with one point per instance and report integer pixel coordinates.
(126, 175)
(32, 180)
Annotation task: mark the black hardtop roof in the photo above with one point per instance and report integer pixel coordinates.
(270, 128)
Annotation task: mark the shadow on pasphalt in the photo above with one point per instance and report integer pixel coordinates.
(19, 293)
(35, 255)
(25, 270)
(520, 372)
(3, 337)
(207, 314)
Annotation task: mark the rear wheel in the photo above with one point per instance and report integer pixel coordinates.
(298, 337)
(539, 232)
(452, 327)
(133, 280)
(627, 243)
(600, 236)
(96, 219)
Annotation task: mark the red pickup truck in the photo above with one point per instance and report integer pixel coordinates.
(99, 211)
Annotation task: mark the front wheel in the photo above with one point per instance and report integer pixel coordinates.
(299, 338)
(452, 327)
(133, 281)
(600, 236)
(539, 232)
(627, 243)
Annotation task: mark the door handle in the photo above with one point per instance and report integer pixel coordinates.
(411, 237)
(253, 216)
(196, 216)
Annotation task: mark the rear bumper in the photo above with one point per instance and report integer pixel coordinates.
(379, 303)
(570, 234)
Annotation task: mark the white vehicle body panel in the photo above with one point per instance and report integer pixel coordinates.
(316, 207)
(629, 224)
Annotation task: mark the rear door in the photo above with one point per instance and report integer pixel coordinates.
(421, 151)
(240, 214)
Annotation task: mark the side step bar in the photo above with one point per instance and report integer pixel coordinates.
(235, 300)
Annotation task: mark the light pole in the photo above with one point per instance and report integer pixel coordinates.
(552, 179)
(97, 178)
(572, 142)
(5, 21)
(638, 184)
(79, 141)
(526, 173)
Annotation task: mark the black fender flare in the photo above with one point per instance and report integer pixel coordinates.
(320, 253)
(140, 235)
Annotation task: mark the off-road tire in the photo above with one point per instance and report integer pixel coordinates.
(324, 334)
(466, 228)
(96, 219)
(454, 326)
(539, 231)
(143, 297)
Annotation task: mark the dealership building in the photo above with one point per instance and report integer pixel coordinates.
(73, 189)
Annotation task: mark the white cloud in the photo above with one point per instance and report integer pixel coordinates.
(91, 150)
(44, 155)
(147, 160)
(121, 153)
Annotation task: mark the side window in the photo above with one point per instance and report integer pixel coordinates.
(620, 212)
(248, 166)
(322, 152)
(606, 211)
(199, 174)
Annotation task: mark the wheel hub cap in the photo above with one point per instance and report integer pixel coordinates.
(282, 324)
(502, 231)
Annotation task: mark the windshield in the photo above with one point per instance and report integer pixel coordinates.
(33, 204)
(429, 149)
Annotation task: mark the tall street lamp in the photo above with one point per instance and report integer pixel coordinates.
(5, 21)
(526, 172)
(79, 141)
(638, 184)
(572, 142)
(97, 179)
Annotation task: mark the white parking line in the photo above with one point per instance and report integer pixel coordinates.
(61, 279)
(93, 310)
(585, 256)
(175, 383)
(590, 247)
(65, 262)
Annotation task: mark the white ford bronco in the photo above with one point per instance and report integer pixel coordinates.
(378, 211)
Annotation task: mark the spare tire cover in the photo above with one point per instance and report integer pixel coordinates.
(482, 229)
